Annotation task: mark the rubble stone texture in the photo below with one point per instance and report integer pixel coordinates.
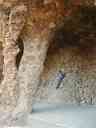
(74, 52)
(39, 23)
(34, 24)
(11, 28)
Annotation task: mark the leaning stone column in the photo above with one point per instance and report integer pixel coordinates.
(13, 23)
(31, 68)
(41, 24)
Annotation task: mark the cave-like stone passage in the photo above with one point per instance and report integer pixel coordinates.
(35, 27)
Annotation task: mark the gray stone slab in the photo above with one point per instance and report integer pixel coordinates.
(62, 116)
(47, 115)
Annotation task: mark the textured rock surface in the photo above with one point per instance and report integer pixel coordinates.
(12, 22)
(77, 59)
(74, 52)
(30, 71)
(39, 23)
(80, 80)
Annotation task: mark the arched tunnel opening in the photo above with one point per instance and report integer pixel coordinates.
(78, 33)
(73, 51)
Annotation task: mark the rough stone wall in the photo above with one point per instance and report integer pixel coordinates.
(37, 34)
(74, 52)
(40, 21)
(79, 84)
(47, 36)
(12, 20)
